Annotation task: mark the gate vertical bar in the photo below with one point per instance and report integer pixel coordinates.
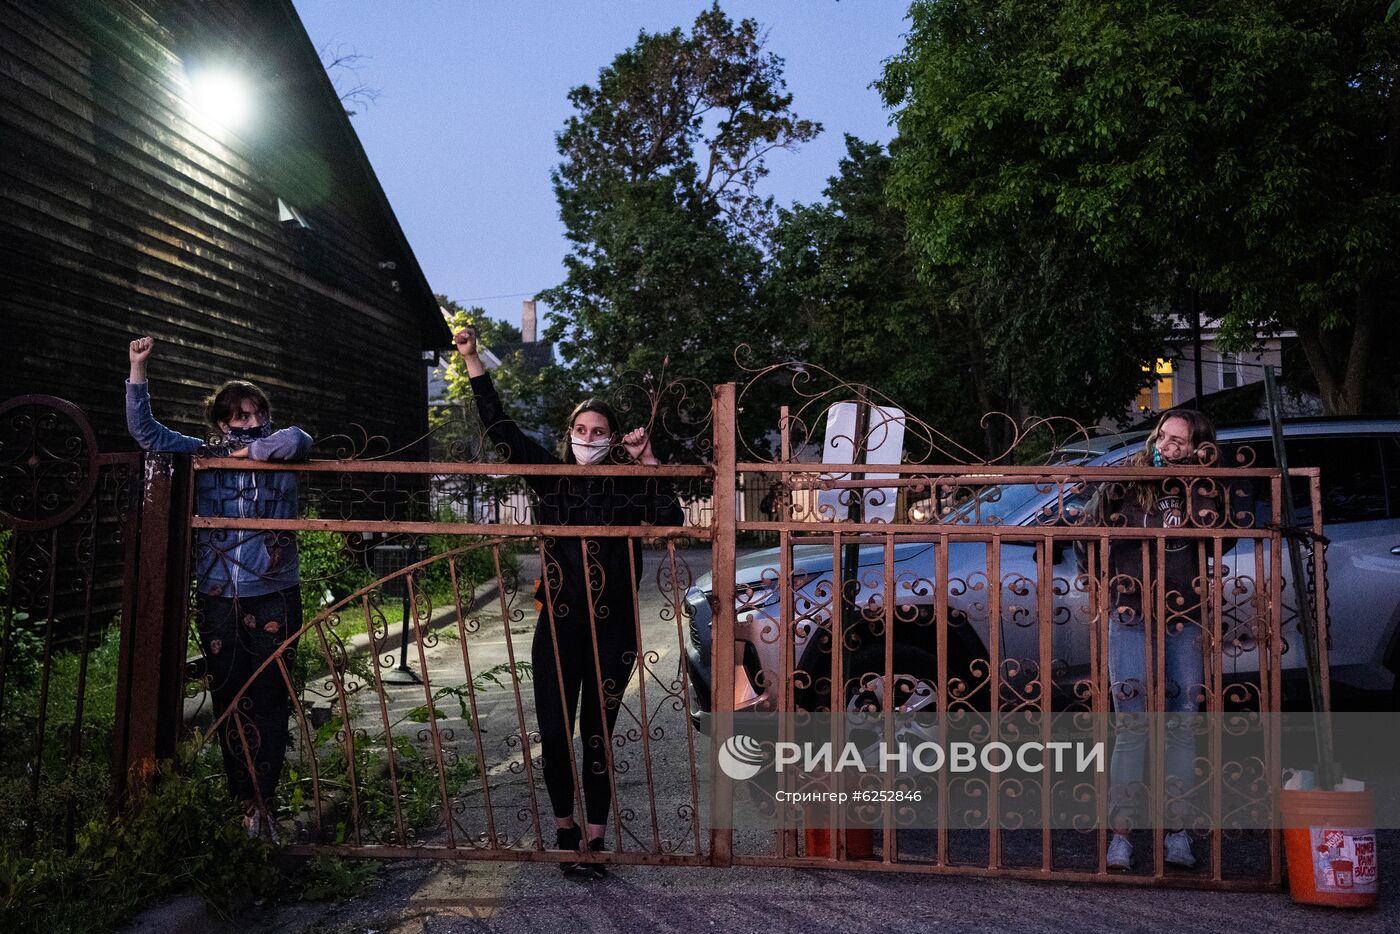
(131, 563)
(152, 660)
(722, 534)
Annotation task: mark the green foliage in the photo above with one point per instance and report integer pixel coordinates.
(392, 779)
(1247, 148)
(328, 566)
(78, 781)
(1043, 335)
(699, 111)
(843, 277)
(331, 877)
(658, 193)
(474, 568)
(536, 397)
(184, 835)
(496, 676)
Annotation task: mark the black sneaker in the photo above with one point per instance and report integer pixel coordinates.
(596, 869)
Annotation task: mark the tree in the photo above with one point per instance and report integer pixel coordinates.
(843, 279)
(658, 193)
(537, 398)
(1027, 331)
(1249, 146)
(343, 65)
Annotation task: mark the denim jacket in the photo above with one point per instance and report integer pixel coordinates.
(233, 562)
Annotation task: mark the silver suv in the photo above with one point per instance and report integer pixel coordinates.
(1360, 469)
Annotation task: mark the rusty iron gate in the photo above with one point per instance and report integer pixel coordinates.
(93, 563)
(413, 725)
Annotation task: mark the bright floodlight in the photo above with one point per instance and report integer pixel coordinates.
(221, 96)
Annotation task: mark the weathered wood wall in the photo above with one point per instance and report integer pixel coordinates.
(125, 211)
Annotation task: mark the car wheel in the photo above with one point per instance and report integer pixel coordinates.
(912, 688)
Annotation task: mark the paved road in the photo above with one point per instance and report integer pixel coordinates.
(454, 897)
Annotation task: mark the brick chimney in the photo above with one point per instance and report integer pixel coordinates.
(527, 321)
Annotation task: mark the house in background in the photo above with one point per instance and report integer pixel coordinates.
(136, 199)
(468, 498)
(535, 354)
(1224, 375)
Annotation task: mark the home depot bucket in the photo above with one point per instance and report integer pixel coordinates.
(1329, 839)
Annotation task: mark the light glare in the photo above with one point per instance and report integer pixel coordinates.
(222, 97)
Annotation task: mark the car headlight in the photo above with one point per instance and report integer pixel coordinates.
(760, 594)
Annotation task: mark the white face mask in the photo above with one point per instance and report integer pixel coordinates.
(590, 452)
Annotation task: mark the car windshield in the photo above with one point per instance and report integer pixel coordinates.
(1007, 503)
(1003, 500)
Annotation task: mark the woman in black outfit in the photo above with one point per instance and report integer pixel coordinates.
(587, 592)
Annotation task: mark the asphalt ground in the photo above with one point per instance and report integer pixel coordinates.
(437, 897)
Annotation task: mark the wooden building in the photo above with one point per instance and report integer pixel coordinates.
(133, 203)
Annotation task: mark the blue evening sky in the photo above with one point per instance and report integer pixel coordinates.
(472, 93)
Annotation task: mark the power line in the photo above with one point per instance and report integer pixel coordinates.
(1256, 366)
(487, 298)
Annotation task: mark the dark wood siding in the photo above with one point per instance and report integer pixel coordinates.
(122, 213)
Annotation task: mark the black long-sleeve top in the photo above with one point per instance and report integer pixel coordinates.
(1175, 503)
(579, 500)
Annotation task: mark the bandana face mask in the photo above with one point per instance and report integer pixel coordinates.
(590, 452)
(242, 437)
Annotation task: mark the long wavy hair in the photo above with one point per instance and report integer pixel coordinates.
(1204, 452)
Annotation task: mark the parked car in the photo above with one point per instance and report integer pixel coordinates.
(1360, 497)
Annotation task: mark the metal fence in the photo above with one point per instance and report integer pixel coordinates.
(417, 701)
(89, 544)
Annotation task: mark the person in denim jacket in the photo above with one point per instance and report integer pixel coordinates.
(248, 590)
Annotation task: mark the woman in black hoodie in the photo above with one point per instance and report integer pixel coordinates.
(1182, 438)
(587, 591)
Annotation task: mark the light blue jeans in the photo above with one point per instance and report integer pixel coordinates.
(1184, 665)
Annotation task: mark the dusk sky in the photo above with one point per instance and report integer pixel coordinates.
(472, 93)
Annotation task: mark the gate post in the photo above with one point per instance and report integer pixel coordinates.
(151, 667)
(722, 544)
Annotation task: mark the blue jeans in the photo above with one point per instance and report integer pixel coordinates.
(1184, 664)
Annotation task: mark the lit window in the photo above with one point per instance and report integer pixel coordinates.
(1164, 383)
(1158, 394)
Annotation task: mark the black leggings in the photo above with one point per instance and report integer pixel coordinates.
(238, 634)
(617, 653)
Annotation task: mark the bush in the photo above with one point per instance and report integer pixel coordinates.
(183, 835)
(80, 782)
(328, 566)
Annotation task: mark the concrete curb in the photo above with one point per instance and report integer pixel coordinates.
(358, 644)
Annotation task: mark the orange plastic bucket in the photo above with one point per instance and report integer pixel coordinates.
(1329, 839)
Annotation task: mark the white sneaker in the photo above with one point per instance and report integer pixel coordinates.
(1120, 853)
(1179, 850)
